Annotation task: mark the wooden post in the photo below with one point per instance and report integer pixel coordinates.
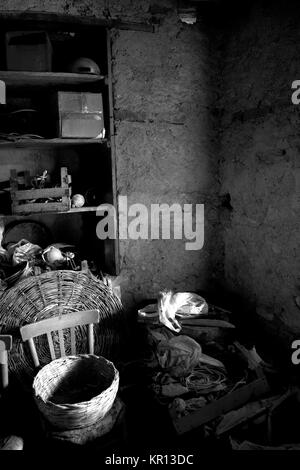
(65, 181)
(91, 338)
(116, 248)
(4, 368)
(13, 188)
(5, 345)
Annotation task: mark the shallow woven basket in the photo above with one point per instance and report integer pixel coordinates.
(76, 391)
(60, 292)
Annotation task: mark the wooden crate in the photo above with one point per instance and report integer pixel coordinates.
(22, 199)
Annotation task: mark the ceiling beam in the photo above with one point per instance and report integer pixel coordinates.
(33, 20)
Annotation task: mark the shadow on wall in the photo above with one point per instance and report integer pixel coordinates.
(260, 166)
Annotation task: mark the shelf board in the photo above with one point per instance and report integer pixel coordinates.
(57, 142)
(47, 79)
(74, 210)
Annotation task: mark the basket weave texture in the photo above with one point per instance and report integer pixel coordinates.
(60, 292)
(76, 391)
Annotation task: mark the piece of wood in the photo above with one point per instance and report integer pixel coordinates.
(39, 207)
(24, 20)
(206, 322)
(75, 210)
(115, 251)
(13, 180)
(220, 309)
(27, 179)
(43, 193)
(49, 143)
(73, 340)
(229, 402)
(246, 413)
(91, 338)
(5, 346)
(61, 343)
(247, 445)
(65, 182)
(33, 352)
(51, 346)
(4, 369)
(59, 323)
(47, 79)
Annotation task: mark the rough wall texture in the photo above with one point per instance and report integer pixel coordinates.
(165, 136)
(260, 166)
(166, 152)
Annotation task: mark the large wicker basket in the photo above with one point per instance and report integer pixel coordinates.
(60, 292)
(76, 391)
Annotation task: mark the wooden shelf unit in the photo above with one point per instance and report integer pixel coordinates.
(23, 82)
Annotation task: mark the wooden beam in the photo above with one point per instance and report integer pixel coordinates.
(114, 244)
(216, 408)
(15, 20)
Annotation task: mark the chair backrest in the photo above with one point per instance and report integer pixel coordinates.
(59, 323)
(5, 346)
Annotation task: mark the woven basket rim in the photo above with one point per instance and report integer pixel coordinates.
(66, 406)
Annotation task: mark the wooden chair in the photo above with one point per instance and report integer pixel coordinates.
(5, 346)
(59, 323)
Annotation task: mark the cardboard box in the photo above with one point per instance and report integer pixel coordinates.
(28, 51)
(80, 115)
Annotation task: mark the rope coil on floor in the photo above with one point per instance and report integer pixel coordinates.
(204, 379)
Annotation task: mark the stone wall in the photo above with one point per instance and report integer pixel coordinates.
(260, 168)
(166, 149)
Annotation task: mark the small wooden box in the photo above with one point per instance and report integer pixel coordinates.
(29, 51)
(22, 200)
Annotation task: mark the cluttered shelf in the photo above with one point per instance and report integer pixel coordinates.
(48, 79)
(31, 142)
